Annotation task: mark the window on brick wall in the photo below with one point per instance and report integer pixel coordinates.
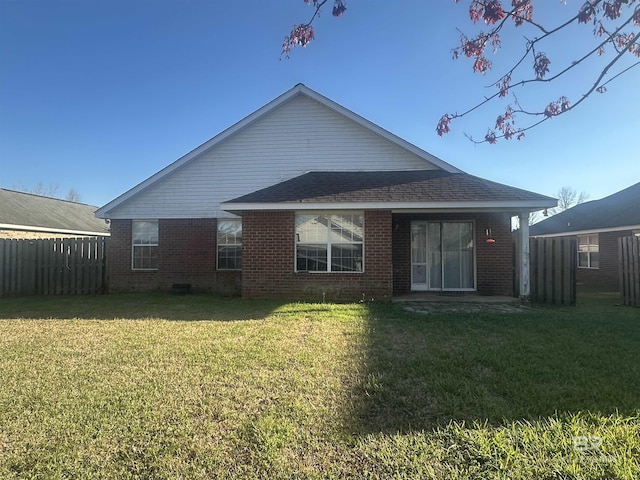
(588, 251)
(230, 244)
(329, 242)
(144, 241)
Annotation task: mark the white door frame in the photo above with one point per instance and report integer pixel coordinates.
(417, 287)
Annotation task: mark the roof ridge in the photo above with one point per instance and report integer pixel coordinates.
(47, 197)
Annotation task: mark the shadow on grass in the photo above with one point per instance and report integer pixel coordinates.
(135, 306)
(593, 296)
(423, 371)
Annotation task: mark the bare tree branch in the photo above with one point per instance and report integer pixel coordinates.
(505, 123)
(303, 33)
(621, 13)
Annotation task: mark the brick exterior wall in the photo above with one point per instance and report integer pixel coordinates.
(187, 254)
(268, 256)
(494, 261)
(606, 277)
(401, 254)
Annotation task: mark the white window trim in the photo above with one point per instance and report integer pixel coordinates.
(589, 252)
(218, 245)
(133, 246)
(328, 244)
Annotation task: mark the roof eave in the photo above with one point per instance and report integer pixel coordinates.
(396, 207)
(29, 228)
(570, 233)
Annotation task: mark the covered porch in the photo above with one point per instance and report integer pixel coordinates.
(382, 234)
(459, 254)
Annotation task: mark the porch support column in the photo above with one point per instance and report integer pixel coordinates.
(523, 261)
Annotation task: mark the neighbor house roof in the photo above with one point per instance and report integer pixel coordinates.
(620, 211)
(28, 212)
(426, 189)
(243, 124)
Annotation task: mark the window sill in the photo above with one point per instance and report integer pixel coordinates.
(328, 273)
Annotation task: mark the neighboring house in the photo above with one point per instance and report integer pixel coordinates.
(305, 199)
(597, 225)
(25, 215)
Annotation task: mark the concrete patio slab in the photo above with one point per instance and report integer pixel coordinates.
(430, 297)
(430, 303)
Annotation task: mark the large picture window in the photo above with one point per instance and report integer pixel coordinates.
(588, 251)
(230, 244)
(329, 243)
(144, 234)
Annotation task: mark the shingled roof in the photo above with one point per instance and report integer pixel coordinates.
(392, 187)
(28, 212)
(622, 209)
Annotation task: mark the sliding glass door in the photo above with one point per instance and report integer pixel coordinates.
(442, 256)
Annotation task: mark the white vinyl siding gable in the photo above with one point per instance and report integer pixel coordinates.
(301, 135)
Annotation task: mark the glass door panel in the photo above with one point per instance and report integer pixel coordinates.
(419, 256)
(457, 256)
(442, 256)
(435, 256)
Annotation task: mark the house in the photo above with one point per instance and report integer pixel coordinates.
(306, 199)
(597, 225)
(24, 215)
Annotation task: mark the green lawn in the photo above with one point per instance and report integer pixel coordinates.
(165, 386)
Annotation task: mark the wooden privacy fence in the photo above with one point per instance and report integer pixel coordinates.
(54, 266)
(629, 266)
(553, 270)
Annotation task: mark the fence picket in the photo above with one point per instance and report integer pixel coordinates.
(52, 266)
(553, 264)
(629, 268)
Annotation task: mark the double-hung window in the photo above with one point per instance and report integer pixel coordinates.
(144, 235)
(588, 251)
(230, 244)
(330, 242)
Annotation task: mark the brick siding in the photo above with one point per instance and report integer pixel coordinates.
(494, 261)
(606, 277)
(268, 256)
(187, 254)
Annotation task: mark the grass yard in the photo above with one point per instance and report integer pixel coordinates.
(162, 386)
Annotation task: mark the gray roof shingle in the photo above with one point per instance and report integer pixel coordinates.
(388, 186)
(49, 214)
(621, 209)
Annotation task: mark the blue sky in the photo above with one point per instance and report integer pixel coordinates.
(99, 95)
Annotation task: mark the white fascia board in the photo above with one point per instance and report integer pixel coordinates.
(28, 228)
(588, 232)
(103, 212)
(397, 207)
